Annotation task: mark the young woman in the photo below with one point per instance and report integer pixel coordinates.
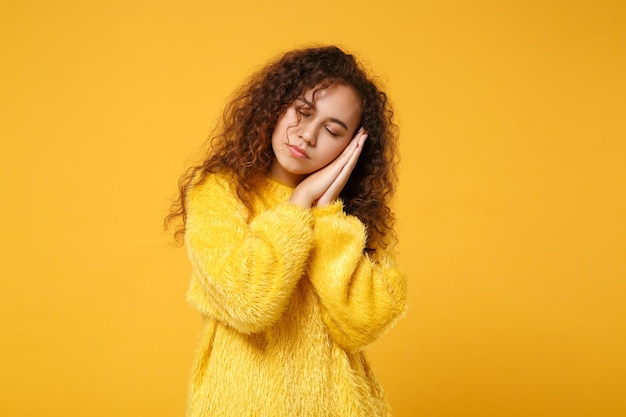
(289, 233)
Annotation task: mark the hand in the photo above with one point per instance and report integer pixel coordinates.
(323, 187)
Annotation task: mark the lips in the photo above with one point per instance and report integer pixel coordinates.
(297, 152)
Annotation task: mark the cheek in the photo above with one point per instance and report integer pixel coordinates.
(282, 124)
(334, 151)
(278, 134)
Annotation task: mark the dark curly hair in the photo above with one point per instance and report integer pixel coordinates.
(241, 143)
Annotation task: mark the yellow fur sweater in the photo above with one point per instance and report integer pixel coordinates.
(290, 301)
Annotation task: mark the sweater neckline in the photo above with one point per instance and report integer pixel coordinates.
(279, 184)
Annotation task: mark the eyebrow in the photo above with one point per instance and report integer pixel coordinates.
(307, 103)
(339, 122)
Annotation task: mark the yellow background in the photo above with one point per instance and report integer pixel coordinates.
(511, 207)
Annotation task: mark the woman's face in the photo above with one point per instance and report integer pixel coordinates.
(327, 123)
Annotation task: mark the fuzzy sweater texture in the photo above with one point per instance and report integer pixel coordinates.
(290, 300)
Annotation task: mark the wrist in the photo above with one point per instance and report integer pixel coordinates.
(331, 209)
(324, 202)
(301, 199)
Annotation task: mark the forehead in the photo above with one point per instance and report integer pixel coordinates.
(335, 90)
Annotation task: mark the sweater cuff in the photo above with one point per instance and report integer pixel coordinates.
(332, 209)
(296, 211)
(285, 214)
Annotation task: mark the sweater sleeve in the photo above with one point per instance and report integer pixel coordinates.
(243, 273)
(361, 296)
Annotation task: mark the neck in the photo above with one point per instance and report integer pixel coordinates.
(281, 175)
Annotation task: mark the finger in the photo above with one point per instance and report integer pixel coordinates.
(348, 167)
(319, 182)
(335, 188)
(347, 151)
(344, 157)
(359, 142)
(353, 142)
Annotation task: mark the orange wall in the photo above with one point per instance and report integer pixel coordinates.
(511, 207)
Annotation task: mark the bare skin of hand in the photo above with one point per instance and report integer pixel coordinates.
(323, 187)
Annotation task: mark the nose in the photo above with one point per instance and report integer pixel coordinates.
(307, 135)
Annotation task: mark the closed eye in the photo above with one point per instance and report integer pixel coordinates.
(334, 134)
(304, 108)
